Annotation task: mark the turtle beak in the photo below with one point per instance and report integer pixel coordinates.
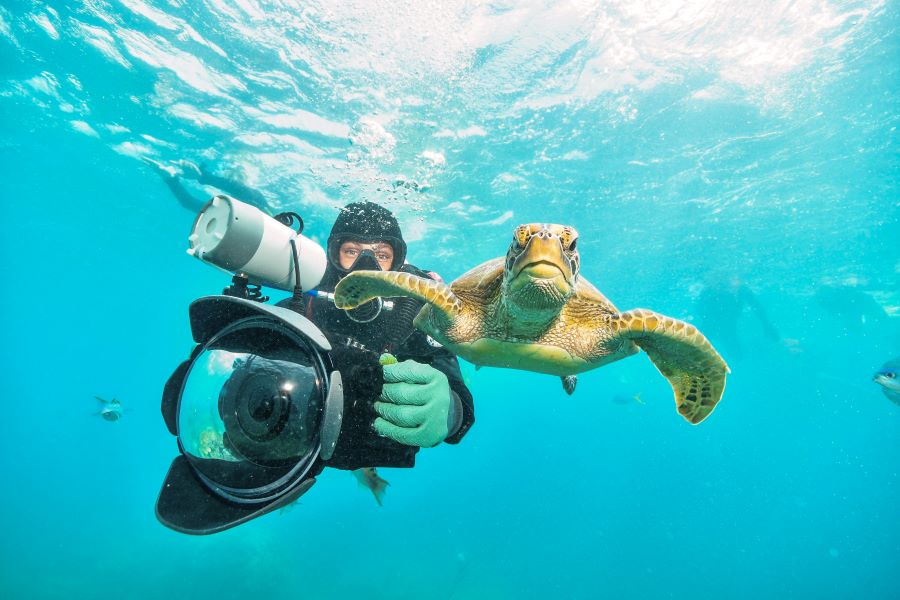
(543, 258)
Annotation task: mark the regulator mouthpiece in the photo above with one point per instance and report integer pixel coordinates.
(239, 238)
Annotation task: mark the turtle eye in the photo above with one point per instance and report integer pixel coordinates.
(572, 245)
(891, 375)
(520, 237)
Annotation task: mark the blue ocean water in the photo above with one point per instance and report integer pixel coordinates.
(700, 148)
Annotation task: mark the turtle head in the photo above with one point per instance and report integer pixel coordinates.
(541, 266)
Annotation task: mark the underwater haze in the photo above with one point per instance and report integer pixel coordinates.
(734, 164)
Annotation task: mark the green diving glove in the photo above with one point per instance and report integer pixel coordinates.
(415, 403)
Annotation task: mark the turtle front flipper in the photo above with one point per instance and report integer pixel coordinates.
(361, 286)
(682, 354)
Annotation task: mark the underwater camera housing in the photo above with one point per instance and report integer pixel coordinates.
(257, 407)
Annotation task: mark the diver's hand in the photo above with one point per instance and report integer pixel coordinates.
(415, 403)
(189, 170)
(164, 171)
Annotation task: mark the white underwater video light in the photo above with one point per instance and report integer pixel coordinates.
(241, 239)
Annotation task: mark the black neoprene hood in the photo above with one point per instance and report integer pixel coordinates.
(367, 222)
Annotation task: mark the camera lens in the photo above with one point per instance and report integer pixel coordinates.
(251, 406)
(257, 395)
(262, 410)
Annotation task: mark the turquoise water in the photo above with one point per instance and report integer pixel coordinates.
(690, 143)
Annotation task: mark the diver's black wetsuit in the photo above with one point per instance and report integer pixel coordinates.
(357, 347)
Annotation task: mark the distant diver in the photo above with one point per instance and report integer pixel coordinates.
(185, 169)
(719, 307)
(532, 310)
(110, 410)
(856, 309)
(888, 377)
(368, 477)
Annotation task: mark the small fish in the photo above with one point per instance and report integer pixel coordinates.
(368, 477)
(110, 410)
(888, 377)
(623, 399)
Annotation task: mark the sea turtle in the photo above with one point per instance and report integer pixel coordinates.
(531, 310)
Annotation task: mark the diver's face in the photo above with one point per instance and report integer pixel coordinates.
(350, 250)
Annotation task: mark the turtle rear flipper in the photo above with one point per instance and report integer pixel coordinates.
(682, 354)
(569, 382)
(361, 286)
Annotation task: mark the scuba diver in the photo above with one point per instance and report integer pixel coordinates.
(719, 307)
(423, 401)
(271, 395)
(173, 175)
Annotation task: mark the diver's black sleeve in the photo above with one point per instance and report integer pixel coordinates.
(449, 366)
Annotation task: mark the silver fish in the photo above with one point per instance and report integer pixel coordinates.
(625, 399)
(368, 477)
(888, 377)
(110, 410)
